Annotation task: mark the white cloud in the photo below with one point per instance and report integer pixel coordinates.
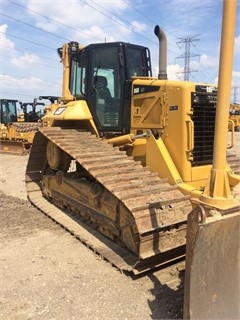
(21, 83)
(49, 26)
(173, 70)
(14, 87)
(25, 61)
(236, 78)
(208, 61)
(237, 45)
(6, 45)
(8, 49)
(138, 27)
(98, 33)
(183, 15)
(84, 17)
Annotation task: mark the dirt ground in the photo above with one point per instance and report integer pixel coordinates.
(48, 274)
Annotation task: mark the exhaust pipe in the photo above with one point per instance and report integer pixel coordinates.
(162, 52)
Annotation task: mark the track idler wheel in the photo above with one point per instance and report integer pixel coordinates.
(57, 158)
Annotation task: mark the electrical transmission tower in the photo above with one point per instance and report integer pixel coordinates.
(235, 88)
(187, 42)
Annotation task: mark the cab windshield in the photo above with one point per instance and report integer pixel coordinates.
(98, 75)
(8, 111)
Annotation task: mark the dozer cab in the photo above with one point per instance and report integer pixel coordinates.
(29, 111)
(8, 111)
(17, 130)
(128, 156)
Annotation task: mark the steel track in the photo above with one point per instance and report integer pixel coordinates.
(156, 206)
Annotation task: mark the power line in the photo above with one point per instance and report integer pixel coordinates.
(32, 26)
(115, 18)
(27, 40)
(167, 31)
(187, 42)
(142, 14)
(92, 7)
(39, 63)
(116, 21)
(148, 18)
(14, 94)
(33, 80)
(211, 77)
(126, 23)
(7, 47)
(46, 17)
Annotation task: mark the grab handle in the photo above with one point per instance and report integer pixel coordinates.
(190, 135)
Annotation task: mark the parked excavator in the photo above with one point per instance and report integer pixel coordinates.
(124, 158)
(17, 129)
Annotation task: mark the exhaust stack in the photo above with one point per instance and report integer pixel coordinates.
(162, 73)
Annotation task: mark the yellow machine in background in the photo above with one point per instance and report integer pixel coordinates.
(29, 111)
(131, 156)
(17, 129)
(234, 116)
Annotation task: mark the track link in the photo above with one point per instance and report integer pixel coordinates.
(26, 126)
(148, 226)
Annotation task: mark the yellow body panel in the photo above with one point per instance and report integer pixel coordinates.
(139, 150)
(166, 110)
(159, 160)
(72, 111)
(200, 175)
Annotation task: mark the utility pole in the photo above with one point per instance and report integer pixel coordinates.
(187, 42)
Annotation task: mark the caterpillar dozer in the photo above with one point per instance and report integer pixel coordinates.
(130, 165)
(17, 129)
(29, 112)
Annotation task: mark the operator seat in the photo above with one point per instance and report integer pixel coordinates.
(105, 103)
(101, 84)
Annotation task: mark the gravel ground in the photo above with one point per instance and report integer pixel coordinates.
(48, 274)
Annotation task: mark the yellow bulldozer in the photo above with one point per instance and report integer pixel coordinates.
(138, 164)
(29, 111)
(17, 129)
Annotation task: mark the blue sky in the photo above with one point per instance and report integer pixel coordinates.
(32, 30)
